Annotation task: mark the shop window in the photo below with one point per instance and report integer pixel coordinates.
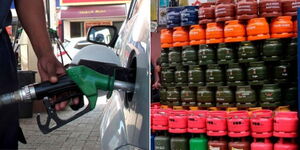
(77, 29)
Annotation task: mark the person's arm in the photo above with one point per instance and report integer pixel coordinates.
(32, 16)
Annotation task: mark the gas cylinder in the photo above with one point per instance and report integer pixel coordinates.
(285, 124)
(166, 38)
(178, 121)
(205, 97)
(247, 52)
(225, 10)
(173, 17)
(188, 97)
(291, 96)
(179, 143)
(214, 33)
(282, 72)
(270, 96)
(160, 120)
(163, 96)
(199, 143)
(272, 50)
(181, 76)
(292, 49)
(197, 121)
(261, 123)
(258, 29)
(167, 77)
(197, 35)
(246, 9)
(180, 37)
(270, 8)
(196, 76)
(257, 73)
(224, 97)
(234, 31)
(174, 56)
(162, 142)
(189, 55)
(238, 124)
(189, 15)
(259, 145)
(164, 58)
(282, 144)
(206, 13)
(295, 28)
(206, 55)
(214, 76)
(235, 75)
(239, 143)
(217, 143)
(289, 7)
(173, 96)
(225, 54)
(216, 123)
(245, 97)
(282, 27)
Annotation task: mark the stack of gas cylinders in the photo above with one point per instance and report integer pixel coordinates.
(210, 130)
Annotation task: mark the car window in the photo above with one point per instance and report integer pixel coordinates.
(131, 9)
(81, 44)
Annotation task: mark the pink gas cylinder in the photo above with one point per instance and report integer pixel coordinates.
(285, 124)
(160, 119)
(216, 123)
(155, 105)
(178, 121)
(261, 144)
(197, 121)
(238, 123)
(282, 144)
(262, 123)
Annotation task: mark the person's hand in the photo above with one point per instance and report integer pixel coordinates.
(50, 69)
(156, 85)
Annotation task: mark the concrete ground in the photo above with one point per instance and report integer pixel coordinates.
(81, 134)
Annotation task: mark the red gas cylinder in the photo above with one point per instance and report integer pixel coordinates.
(166, 38)
(178, 121)
(261, 145)
(283, 145)
(197, 121)
(155, 105)
(285, 124)
(261, 123)
(160, 120)
(216, 123)
(238, 124)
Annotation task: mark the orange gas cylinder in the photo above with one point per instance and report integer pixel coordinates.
(166, 38)
(295, 28)
(234, 31)
(197, 35)
(282, 27)
(180, 37)
(214, 33)
(258, 29)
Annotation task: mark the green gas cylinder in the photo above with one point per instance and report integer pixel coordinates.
(188, 96)
(257, 73)
(189, 55)
(196, 76)
(245, 96)
(173, 96)
(225, 54)
(164, 58)
(282, 72)
(179, 143)
(162, 143)
(175, 56)
(205, 97)
(163, 96)
(181, 76)
(199, 143)
(167, 77)
(270, 95)
(291, 96)
(206, 55)
(235, 75)
(214, 76)
(224, 97)
(292, 49)
(247, 52)
(272, 50)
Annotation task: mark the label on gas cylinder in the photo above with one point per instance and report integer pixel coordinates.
(236, 148)
(214, 148)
